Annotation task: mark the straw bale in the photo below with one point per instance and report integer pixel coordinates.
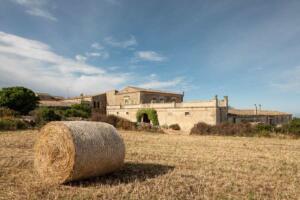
(73, 150)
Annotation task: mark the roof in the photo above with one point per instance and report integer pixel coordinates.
(245, 112)
(46, 96)
(138, 89)
(56, 103)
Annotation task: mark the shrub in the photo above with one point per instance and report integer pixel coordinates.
(240, 129)
(264, 127)
(126, 124)
(78, 110)
(117, 122)
(20, 99)
(12, 124)
(150, 112)
(201, 129)
(7, 113)
(44, 115)
(294, 126)
(174, 127)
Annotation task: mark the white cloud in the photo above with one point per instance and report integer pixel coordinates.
(36, 8)
(131, 42)
(102, 54)
(97, 46)
(148, 56)
(156, 84)
(34, 64)
(80, 58)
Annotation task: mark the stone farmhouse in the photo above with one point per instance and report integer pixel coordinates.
(170, 108)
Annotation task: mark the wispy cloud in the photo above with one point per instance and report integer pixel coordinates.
(148, 56)
(97, 46)
(102, 54)
(288, 81)
(156, 84)
(35, 65)
(80, 58)
(131, 42)
(36, 8)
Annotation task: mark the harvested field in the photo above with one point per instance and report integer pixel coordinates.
(161, 166)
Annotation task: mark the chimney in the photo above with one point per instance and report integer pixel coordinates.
(226, 100)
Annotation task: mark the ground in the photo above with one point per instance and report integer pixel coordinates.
(163, 166)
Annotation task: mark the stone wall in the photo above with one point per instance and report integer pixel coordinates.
(185, 114)
(99, 104)
(266, 119)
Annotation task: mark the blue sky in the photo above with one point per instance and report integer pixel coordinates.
(248, 50)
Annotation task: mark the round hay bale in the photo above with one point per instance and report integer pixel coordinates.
(73, 150)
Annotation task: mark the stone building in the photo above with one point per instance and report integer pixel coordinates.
(169, 106)
(258, 116)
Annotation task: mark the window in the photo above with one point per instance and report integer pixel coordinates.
(98, 105)
(126, 100)
(187, 113)
(173, 99)
(162, 100)
(153, 100)
(94, 104)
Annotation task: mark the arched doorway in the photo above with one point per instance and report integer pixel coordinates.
(145, 118)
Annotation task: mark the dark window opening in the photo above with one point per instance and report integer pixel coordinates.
(145, 118)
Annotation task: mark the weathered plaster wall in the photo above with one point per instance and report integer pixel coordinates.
(184, 114)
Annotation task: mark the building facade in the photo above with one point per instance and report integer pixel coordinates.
(169, 106)
(258, 116)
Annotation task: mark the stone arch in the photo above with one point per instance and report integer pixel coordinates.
(147, 114)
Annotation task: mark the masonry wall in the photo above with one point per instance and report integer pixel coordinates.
(114, 98)
(184, 114)
(147, 97)
(99, 104)
(271, 119)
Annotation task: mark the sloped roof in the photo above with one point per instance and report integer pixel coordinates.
(138, 89)
(245, 112)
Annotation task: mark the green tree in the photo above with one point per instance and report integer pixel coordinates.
(79, 110)
(20, 99)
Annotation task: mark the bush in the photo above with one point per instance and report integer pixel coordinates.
(117, 122)
(201, 129)
(20, 99)
(78, 110)
(150, 112)
(264, 128)
(294, 126)
(13, 124)
(240, 129)
(7, 113)
(149, 128)
(44, 115)
(174, 127)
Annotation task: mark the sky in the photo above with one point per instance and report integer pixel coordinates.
(248, 50)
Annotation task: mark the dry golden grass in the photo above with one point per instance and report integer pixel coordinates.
(160, 166)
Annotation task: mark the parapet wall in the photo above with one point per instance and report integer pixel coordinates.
(185, 114)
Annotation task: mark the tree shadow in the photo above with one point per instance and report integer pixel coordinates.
(130, 172)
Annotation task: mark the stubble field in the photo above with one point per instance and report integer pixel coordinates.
(162, 166)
